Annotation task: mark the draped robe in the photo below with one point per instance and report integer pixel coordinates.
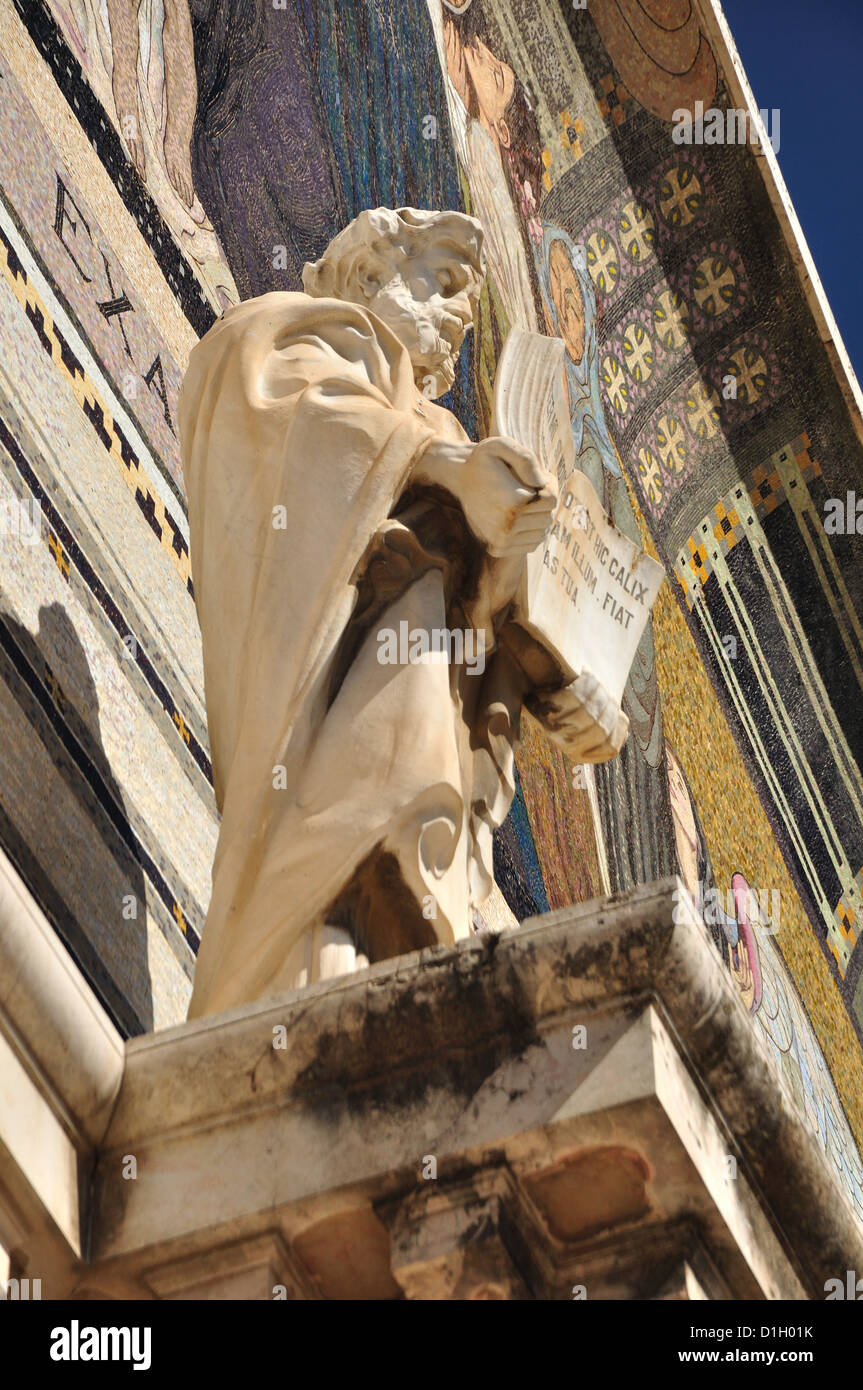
(323, 757)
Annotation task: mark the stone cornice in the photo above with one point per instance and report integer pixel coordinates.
(426, 1035)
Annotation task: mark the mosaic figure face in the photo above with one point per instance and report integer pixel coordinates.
(568, 300)
(484, 82)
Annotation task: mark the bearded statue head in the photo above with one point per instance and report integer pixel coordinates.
(420, 272)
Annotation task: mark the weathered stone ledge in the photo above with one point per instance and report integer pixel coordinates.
(434, 1127)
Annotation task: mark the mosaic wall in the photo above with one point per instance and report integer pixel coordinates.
(704, 408)
(161, 159)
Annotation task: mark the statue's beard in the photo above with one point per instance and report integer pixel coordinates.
(433, 337)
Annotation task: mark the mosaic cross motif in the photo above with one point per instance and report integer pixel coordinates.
(650, 474)
(603, 262)
(672, 319)
(680, 196)
(702, 411)
(615, 384)
(714, 285)
(749, 369)
(638, 352)
(671, 444)
(637, 232)
(59, 554)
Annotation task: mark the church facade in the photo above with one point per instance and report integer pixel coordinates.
(691, 1078)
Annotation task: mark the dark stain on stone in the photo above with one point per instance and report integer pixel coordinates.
(496, 1020)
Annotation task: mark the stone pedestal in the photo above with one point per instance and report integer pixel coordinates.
(576, 1109)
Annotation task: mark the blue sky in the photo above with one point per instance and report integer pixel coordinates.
(806, 58)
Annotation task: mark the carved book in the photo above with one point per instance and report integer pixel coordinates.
(587, 592)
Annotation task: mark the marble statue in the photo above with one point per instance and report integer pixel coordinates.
(355, 558)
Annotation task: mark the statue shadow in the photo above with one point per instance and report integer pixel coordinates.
(62, 684)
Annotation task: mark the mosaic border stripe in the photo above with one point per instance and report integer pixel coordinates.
(785, 478)
(46, 701)
(766, 491)
(49, 42)
(166, 530)
(83, 951)
(66, 551)
(152, 450)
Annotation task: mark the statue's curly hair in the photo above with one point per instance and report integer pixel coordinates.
(360, 247)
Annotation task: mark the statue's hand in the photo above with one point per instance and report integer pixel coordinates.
(583, 719)
(506, 496)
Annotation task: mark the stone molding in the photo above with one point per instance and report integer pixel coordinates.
(429, 1130)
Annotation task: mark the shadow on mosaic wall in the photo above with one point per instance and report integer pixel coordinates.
(93, 892)
(699, 330)
(542, 281)
(702, 338)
